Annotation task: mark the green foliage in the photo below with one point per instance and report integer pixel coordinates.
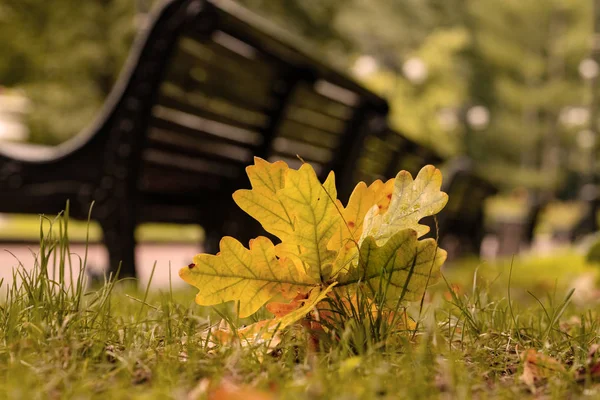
(526, 74)
(482, 53)
(477, 53)
(415, 108)
(593, 254)
(65, 56)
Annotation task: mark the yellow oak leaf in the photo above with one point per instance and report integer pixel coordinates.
(263, 202)
(411, 201)
(361, 200)
(294, 206)
(371, 243)
(251, 276)
(383, 194)
(316, 220)
(399, 270)
(349, 231)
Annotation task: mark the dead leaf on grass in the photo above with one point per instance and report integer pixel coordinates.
(592, 367)
(454, 290)
(228, 390)
(537, 367)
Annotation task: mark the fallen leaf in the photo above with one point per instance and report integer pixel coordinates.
(592, 367)
(401, 269)
(227, 390)
(251, 276)
(454, 289)
(372, 243)
(412, 200)
(537, 367)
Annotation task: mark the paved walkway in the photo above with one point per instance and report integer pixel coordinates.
(175, 255)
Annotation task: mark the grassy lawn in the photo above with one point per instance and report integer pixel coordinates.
(505, 330)
(27, 228)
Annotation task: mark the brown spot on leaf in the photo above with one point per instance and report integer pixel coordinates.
(351, 224)
(192, 265)
(389, 196)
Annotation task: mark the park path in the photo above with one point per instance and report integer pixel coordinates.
(175, 255)
(165, 255)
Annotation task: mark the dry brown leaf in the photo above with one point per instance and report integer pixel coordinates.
(592, 367)
(537, 367)
(228, 390)
(200, 390)
(282, 309)
(455, 289)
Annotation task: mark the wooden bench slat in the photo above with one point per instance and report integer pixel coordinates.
(213, 105)
(229, 78)
(186, 68)
(315, 137)
(305, 96)
(177, 121)
(291, 147)
(158, 179)
(230, 94)
(209, 51)
(315, 120)
(209, 149)
(186, 163)
(239, 120)
(302, 124)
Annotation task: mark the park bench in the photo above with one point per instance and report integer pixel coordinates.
(207, 87)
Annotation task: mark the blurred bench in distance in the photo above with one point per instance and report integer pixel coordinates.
(207, 87)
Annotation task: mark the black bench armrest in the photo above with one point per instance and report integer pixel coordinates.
(29, 152)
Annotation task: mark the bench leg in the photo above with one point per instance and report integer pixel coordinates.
(478, 233)
(243, 229)
(211, 242)
(119, 238)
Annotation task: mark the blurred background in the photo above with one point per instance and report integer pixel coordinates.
(509, 83)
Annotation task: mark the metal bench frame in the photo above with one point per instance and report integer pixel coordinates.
(104, 164)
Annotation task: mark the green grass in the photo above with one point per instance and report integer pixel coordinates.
(116, 341)
(27, 228)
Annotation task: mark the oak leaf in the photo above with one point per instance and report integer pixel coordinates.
(372, 242)
(399, 270)
(412, 200)
(252, 277)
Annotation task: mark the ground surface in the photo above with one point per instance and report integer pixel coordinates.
(502, 329)
(173, 255)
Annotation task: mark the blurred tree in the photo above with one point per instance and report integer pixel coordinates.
(418, 45)
(509, 66)
(66, 56)
(311, 20)
(525, 57)
(500, 76)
